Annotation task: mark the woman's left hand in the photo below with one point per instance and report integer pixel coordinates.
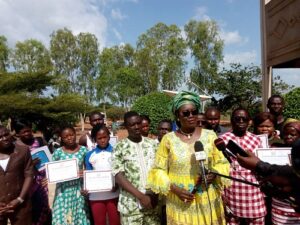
(13, 204)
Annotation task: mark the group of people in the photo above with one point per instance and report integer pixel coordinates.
(157, 181)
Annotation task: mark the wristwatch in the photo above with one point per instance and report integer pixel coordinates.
(21, 200)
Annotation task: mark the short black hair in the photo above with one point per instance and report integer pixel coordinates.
(97, 128)
(128, 115)
(96, 113)
(239, 109)
(19, 124)
(145, 117)
(275, 96)
(67, 127)
(166, 121)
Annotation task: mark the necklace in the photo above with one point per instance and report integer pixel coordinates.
(189, 135)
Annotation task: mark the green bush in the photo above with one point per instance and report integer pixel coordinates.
(292, 104)
(156, 106)
(115, 113)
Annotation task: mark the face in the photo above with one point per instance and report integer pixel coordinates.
(290, 135)
(163, 128)
(68, 137)
(266, 127)
(102, 139)
(188, 116)
(212, 119)
(201, 120)
(133, 126)
(145, 128)
(276, 106)
(6, 139)
(240, 122)
(25, 134)
(96, 119)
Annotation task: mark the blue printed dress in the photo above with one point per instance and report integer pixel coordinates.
(70, 207)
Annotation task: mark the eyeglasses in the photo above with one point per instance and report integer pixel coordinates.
(188, 113)
(238, 119)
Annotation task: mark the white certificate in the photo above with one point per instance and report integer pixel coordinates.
(278, 156)
(63, 170)
(264, 140)
(98, 181)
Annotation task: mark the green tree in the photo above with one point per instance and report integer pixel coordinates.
(88, 64)
(160, 57)
(4, 54)
(31, 56)
(206, 49)
(156, 106)
(239, 86)
(292, 104)
(64, 53)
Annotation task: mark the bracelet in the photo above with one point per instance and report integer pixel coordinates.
(21, 200)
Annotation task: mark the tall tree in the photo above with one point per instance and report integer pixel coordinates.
(31, 56)
(206, 49)
(64, 53)
(88, 64)
(160, 57)
(4, 54)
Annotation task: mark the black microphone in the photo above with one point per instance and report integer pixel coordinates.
(200, 156)
(221, 146)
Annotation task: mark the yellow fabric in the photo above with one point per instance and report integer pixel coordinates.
(175, 163)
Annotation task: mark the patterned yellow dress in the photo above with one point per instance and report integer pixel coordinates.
(175, 163)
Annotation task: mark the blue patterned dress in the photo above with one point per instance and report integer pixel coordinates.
(69, 206)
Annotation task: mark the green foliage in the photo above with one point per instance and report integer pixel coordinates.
(239, 86)
(115, 113)
(160, 57)
(31, 56)
(206, 48)
(292, 104)
(4, 52)
(156, 106)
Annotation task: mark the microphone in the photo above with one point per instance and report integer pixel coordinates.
(221, 146)
(200, 156)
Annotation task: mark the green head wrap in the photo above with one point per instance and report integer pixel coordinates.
(185, 97)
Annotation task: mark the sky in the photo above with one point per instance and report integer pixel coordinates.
(116, 22)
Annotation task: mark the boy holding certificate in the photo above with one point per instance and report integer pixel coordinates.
(104, 202)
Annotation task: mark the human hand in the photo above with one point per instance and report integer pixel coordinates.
(4, 209)
(36, 161)
(84, 193)
(80, 173)
(44, 182)
(13, 204)
(210, 178)
(183, 194)
(248, 162)
(145, 201)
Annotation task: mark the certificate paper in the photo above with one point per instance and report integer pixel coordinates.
(43, 154)
(264, 140)
(63, 170)
(98, 181)
(278, 156)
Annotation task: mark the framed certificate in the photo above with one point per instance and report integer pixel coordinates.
(63, 170)
(43, 154)
(278, 156)
(98, 181)
(264, 140)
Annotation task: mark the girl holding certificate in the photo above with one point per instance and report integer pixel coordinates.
(102, 203)
(69, 206)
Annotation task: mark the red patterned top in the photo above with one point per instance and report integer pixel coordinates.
(244, 200)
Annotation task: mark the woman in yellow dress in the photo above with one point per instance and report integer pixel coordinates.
(176, 171)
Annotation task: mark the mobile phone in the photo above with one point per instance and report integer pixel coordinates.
(236, 149)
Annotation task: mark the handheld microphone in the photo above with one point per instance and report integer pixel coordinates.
(221, 146)
(200, 156)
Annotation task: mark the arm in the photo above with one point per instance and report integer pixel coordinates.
(83, 140)
(127, 186)
(28, 174)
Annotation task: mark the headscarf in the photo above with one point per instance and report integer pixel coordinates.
(295, 124)
(183, 98)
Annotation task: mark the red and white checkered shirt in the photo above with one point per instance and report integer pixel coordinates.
(244, 200)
